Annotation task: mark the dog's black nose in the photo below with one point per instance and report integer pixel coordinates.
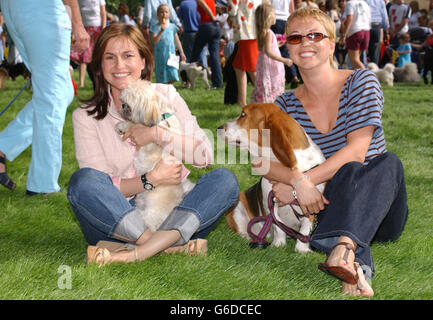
(221, 127)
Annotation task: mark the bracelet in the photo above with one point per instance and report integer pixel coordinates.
(304, 176)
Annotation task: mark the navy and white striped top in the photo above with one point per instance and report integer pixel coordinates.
(361, 105)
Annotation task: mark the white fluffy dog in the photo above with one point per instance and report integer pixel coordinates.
(385, 75)
(190, 72)
(143, 104)
(407, 73)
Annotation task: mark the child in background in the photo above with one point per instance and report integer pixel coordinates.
(270, 74)
(404, 50)
(164, 41)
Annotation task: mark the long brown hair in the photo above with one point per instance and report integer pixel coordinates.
(99, 100)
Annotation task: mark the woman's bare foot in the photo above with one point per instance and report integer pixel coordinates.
(361, 289)
(337, 256)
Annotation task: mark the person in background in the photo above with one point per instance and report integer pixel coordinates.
(379, 26)
(190, 18)
(242, 16)
(416, 13)
(270, 75)
(124, 15)
(404, 50)
(283, 9)
(94, 20)
(356, 30)
(150, 17)
(399, 13)
(42, 33)
(209, 33)
(2, 39)
(165, 40)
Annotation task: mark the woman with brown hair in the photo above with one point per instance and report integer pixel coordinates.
(102, 191)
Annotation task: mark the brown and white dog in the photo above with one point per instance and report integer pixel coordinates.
(288, 144)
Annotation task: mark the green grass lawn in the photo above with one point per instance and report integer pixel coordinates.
(42, 246)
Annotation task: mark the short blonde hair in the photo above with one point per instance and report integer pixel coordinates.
(318, 15)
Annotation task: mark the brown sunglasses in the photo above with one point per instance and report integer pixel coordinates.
(311, 37)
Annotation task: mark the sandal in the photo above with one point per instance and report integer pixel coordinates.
(196, 247)
(4, 178)
(101, 255)
(343, 273)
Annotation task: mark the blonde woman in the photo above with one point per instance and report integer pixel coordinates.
(341, 110)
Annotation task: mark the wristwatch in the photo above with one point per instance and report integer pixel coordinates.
(146, 183)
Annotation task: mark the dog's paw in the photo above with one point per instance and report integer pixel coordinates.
(302, 247)
(279, 242)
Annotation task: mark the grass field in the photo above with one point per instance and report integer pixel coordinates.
(42, 249)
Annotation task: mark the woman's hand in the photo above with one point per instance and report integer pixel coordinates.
(167, 171)
(310, 199)
(140, 135)
(283, 193)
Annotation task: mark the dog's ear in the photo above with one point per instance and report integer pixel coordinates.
(286, 136)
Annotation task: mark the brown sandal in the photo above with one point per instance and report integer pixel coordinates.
(101, 253)
(341, 272)
(196, 247)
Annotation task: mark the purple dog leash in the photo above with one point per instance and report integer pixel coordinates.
(258, 241)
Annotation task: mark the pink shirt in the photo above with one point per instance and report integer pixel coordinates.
(98, 146)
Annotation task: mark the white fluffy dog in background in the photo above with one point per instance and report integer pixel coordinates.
(143, 104)
(407, 73)
(385, 75)
(190, 72)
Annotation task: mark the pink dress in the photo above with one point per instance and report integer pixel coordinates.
(270, 76)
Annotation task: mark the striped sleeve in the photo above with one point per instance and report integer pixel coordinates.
(364, 102)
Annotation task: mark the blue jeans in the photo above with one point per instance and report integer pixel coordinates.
(187, 40)
(105, 214)
(41, 32)
(367, 203)
(209, 33)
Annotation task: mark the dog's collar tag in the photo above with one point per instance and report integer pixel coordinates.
(165, 116)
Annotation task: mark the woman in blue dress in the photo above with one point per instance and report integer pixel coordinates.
(164, 41)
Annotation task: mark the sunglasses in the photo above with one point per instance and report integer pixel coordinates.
(311, 37)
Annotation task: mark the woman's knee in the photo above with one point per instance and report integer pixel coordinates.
(225, 182)
(350, 167)
(83, 180)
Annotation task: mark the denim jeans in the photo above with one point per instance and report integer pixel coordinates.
(367, 203)
(101, 208)
(187, 39)
(209, 33)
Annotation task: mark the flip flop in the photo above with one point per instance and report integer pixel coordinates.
(341, 272)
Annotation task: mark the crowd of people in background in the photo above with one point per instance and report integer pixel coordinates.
(378, 31)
